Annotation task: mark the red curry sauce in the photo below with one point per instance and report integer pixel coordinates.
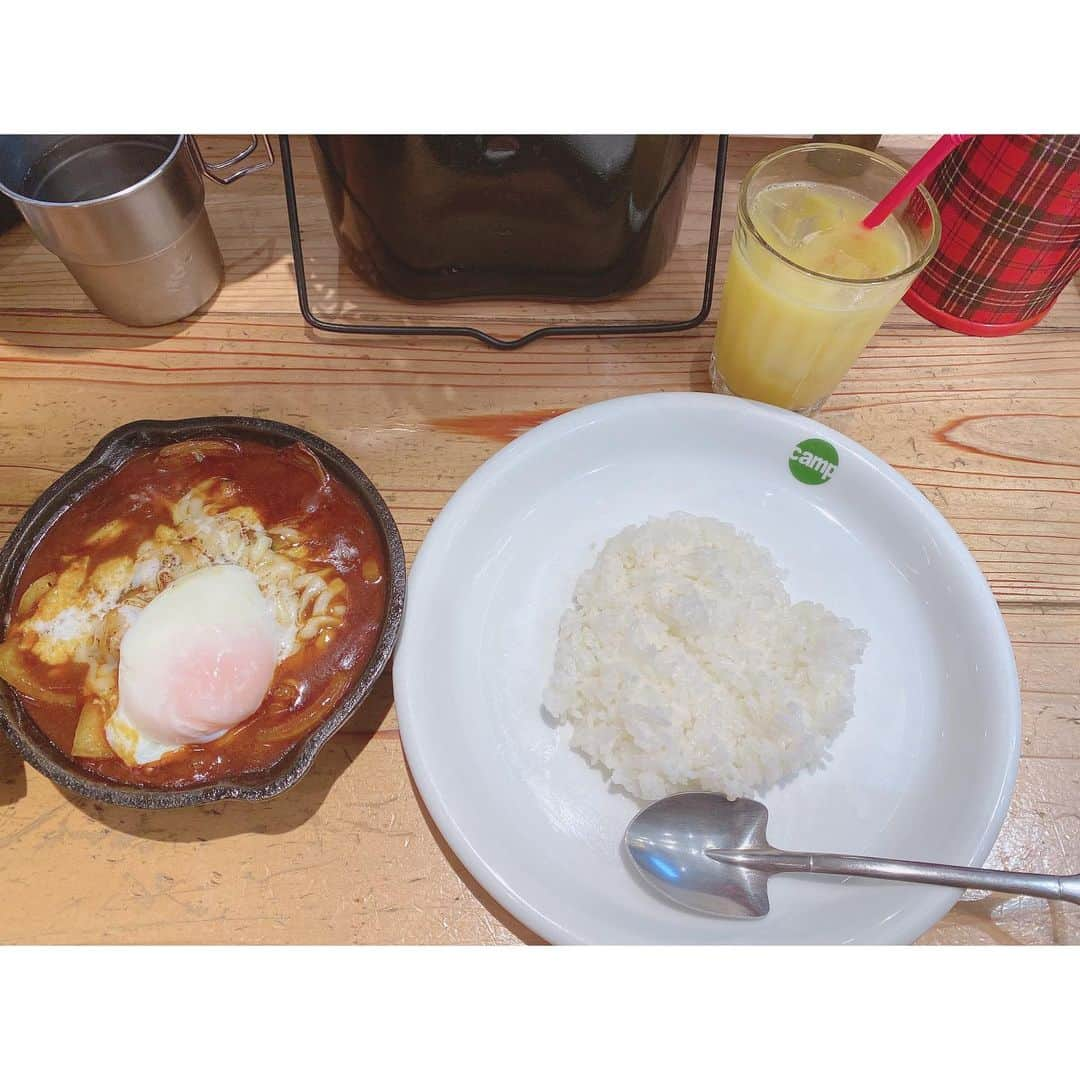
(285, 486)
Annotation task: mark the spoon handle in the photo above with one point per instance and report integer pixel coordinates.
(962, 877)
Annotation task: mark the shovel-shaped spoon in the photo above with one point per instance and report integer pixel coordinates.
(710, 854)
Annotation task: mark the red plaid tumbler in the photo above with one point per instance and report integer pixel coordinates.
(1010, 233)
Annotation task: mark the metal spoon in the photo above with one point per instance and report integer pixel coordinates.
(708, 853)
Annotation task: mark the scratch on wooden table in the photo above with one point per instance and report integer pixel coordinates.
(31, 826)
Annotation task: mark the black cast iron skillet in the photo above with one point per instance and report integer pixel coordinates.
(109, 454)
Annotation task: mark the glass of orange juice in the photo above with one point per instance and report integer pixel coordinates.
(807, 284)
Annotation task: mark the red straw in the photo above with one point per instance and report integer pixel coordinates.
(913, 178)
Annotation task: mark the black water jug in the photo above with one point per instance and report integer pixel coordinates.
(572, 217)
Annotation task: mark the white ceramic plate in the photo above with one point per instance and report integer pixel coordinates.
(924, 770)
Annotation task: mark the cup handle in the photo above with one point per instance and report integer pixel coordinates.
(213, 171)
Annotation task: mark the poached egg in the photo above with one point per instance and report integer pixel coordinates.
(196, 662)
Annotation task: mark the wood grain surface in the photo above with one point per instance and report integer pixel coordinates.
(988, 429)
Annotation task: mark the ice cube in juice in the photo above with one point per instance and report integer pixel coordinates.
(787, 331)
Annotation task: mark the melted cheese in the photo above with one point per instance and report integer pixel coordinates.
(85, 615)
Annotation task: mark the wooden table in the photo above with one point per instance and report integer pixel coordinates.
(988, 429)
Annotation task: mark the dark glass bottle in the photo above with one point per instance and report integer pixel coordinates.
(436, 217)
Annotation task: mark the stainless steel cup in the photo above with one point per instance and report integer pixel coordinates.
(126, 214)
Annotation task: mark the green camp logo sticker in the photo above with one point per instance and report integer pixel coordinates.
(813, 461)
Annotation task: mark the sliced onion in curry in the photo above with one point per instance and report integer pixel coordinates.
(14, 671)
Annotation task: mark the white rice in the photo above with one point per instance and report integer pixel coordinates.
(683, 664)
